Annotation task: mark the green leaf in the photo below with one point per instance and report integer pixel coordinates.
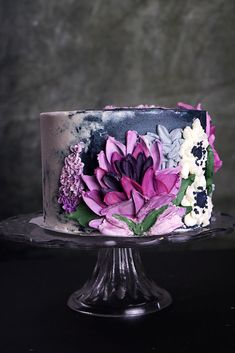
(148, 222)
(83, 215)
(188, 209)
(209, 173)
(151, 218)
(128, 221)
(184, 185)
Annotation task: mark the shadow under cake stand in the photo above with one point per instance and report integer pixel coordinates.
(118, 286)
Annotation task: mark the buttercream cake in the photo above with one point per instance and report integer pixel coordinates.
(128, 171)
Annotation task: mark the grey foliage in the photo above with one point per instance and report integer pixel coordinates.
(171, 142)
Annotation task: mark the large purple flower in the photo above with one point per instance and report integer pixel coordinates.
(128, 182)
(210, 131)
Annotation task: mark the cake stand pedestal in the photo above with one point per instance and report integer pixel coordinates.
(119, 286)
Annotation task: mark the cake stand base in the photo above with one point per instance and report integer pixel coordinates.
(119, 287)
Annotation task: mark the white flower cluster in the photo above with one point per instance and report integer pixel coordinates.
(193, 154)
(197, 197)
(193, 150)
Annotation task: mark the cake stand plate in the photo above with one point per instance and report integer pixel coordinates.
(119, 286)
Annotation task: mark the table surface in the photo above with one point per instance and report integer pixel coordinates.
(35, 285)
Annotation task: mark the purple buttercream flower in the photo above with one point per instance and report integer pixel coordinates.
(128, 182)
(70, 191)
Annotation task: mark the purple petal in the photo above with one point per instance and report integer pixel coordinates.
(129, 185)
(99, 173)
(168, 221)
(124, 208)
(148, 183)
(141, 146)
(116, 157)
(114, 227)
(112, 146)
(168, 181)
(95, 223)
(185, 106)
(138, 200)
(94, 201)
(156, 154)
(155, 202)
(114, 197)
(91, 182)
(131, 139)
(103, 163)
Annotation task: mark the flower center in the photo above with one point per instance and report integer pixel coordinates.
(134, 168)
(201, 199)
(199, 152)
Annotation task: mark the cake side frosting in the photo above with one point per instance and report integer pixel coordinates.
(127, 171)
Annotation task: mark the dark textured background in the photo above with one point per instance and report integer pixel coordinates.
(64, 55)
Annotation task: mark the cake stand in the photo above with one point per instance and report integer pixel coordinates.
(119, 286)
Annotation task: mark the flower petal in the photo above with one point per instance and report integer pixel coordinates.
(128, 185)
(115, 158)
(131, 139)
(156, 154)
(91, 182)
(103, 163)
(99, 173)
(94, 201)
(138, 199)
(148, 183)
(112, 145)
(114, 197)
(124, 208)
(168, 180)
(155, 202)
(168, 221)
(185, 106)
(95, 223)
(141, 147)
(119, 228)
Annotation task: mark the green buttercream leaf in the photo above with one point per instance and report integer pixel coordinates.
(151, 218)
(148, 222)
(209, 173)
(188, 209)
(184, 185)
(83, 215)
(128, 221)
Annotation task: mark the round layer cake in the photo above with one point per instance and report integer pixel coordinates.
(128, 171)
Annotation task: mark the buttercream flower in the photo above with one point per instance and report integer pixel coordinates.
(171, 142)
(71, 184)
(210, 131)
(128, 181)
(197, 197)
(193, 150)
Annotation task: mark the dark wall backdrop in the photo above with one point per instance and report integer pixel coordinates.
(70, 54)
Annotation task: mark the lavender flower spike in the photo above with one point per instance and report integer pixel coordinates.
(70, 191)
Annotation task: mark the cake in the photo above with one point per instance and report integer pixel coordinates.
(138, 171)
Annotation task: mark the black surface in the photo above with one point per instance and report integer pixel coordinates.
(35, 285)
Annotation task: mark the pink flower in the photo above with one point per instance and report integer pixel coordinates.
(128, 182)
(210, 130)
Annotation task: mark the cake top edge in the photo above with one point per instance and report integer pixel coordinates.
(115, 109)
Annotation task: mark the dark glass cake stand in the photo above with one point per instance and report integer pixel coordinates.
(119, 286)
